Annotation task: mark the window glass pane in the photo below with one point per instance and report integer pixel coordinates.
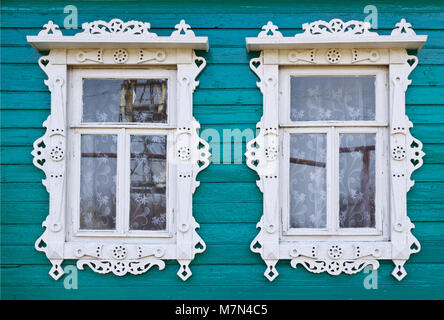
(98, 175)
(316, 98)
(357, 180)
(308, 193)
(118, 100)
(148, 183)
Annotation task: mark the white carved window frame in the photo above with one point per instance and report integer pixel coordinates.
(322, 45)
(121, 47)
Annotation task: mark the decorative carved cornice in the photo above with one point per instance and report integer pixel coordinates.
(337, 27)
(116, 33)
(116, 27)
(336, 34)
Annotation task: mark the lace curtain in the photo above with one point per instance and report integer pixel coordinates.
(308, 194)
(148, 183)
(357, 180)
(317, 98)
(118, 100)
(98, 178)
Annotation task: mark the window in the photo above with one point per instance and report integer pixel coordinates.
(124, 123)
(333, 129)
(333, 152)
(120, 160)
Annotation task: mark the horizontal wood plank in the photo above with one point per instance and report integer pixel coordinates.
(432, 251)
(213, 233)
(219, 276)
(215, 76)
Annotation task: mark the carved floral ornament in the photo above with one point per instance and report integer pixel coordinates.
(120, 43)
(334, 28)
(332, 43)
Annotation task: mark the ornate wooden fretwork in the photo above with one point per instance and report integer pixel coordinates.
(120, 43)
(332, 43)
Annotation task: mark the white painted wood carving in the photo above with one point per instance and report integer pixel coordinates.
(325, 44)
(118, 43)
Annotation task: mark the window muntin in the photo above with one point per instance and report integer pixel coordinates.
(303, 201)
(143, 202)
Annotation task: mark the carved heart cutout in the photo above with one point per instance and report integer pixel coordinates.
(44, 62)
(41, 162)
(256, 64)
(198, 62)
(411, 62)
(198, 246)
(41, 244)
(414, 162)
(200, 163)
(414, 145)
(257, 245)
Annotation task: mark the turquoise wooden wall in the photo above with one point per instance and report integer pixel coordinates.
(228, 203)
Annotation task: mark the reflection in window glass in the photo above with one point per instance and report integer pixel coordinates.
(98, 175)
(148, 183)
(308, 193)
(357, 180)
(322, 98)
(117, 100)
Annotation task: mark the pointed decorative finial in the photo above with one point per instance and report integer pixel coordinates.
(403, 28)
(183, 30)
(270, 28)
(50, 29)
